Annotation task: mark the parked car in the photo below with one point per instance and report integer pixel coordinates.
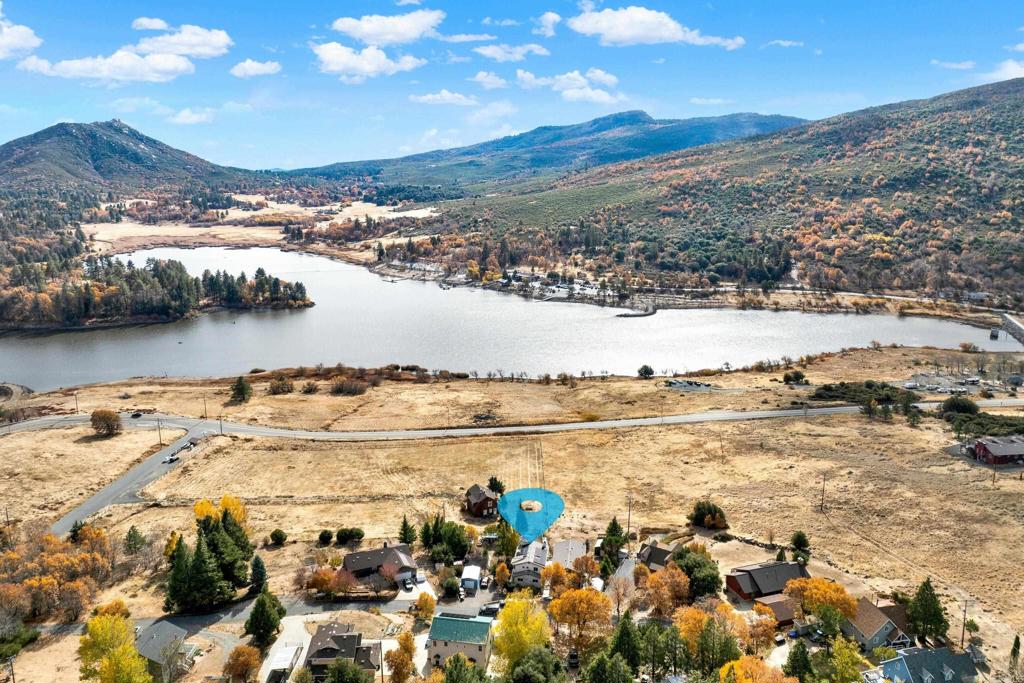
(574, 659)
(780, 639)
(490, 609)
(171, 458)
(136, 415)
(485, 582)
(407, 584)
(462, 593)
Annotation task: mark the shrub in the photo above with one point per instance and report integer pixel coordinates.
(325, 537)
(281, 385)
(105, 422)
(348, 535)
(451, 587)
(349, 387)
(278, 537)
(645, 372)
(794, 377)
(310, 387)
(958, 405)
(708, 515)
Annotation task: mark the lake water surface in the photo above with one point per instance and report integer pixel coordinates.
(361, 319)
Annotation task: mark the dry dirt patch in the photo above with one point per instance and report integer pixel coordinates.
(48, 472)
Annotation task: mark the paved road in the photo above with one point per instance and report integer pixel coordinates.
(126, 489)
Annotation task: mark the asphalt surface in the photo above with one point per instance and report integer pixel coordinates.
(126, 489)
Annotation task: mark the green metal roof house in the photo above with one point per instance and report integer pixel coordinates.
(452, 634)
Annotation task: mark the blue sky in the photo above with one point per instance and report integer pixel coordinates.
(261, 83)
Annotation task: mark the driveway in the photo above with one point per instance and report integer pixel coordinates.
(293, 632)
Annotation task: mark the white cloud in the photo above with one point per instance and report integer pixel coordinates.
(641, 26)
(588, 94)
(546, 24)
(575, 86)
(956, 66)
(377, 29)
(709, 101)
(356, 66)
(658, 60)
(1019, 47)
(191, 117)
(488, 80)
(491, 113)
(784, 43)
(488, 21)
(250, 68)
(452, 58)
(122, 66)
(1006, 70)
(187, 41)
(467, 37)
(149, 24)
(15, 39)
(131, 105)
(403, 3)
(602, 77)
(445, 96)
(511, 53)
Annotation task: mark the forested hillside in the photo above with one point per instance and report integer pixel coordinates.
(919, 196)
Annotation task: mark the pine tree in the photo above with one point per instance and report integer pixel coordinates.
(1015, 653)
(206, 583)
(407, 532)
(229, 558)
(179, 579)
(607, 668)
(437, 529)
(426, 535)
(237, 534)
(925, 612)
(264, 620)
(781, 556)
(257, 575)
(134, 541)
(798, 664)
(626, 642)
(241, 390)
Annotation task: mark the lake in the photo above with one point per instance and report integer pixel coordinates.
(361, 319)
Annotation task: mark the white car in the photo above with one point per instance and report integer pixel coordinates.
(170, 458)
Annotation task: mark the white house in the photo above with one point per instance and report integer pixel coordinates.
(463, 634)
(471, 578)
(528, 562)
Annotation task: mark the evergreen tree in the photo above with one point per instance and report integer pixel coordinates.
(781, 555)
(407, 532)
(347, 671)
(437, 529)
(925, 612)
(798, 664)
(264, 620)
(178, 580)
(614, 539)
(134, 541)
(1015, 653)
(257, 575)
(206, 584)
(458, 670)
(538, 665)
(237, 534)
(241, 390)
(426, 535)
(716, 645)
(496, 485)
(607, 668)
(229, 558)
(626, 642)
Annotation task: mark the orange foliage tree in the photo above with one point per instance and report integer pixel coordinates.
(813, 593)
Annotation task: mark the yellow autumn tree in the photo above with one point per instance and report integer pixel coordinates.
(585, 612)
(813, 593)
(690, 621)
(104, 634)
(400, 660)
(522, 625)
(556, 577)
(749, 669)
(124, 665)
(501, 574)
(762, 627)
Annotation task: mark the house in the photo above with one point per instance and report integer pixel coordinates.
(481, 501)
(766, 578)
(781, 605)
(871, 628)
(470, 578)
(897, 612)
(654, 555)
(568, 551)
(998, 450)
(463, 634)
(528, 562)
(161, 644)
(284, 660)
(918, 665)
(337, 641)
(365, 563)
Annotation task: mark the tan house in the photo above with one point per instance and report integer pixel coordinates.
(463, 634)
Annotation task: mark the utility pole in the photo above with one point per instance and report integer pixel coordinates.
(10, 665)
(629, 520)
(205, 414)
(822, 508)
(963, 624)
(159, 432)
(222, 425)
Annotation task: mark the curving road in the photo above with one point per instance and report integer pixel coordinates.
(126, 489)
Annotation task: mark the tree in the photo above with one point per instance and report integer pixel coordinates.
(798, 663)
(496, 485)
(115, 608)
(668, 589)
(800, 542)
(278, 537)
(748, 669)
(407, 532)
(761, 628)
(645, 372)
(425, 606)
(257, 575)
(1015, 653)
(690, 621)
(708, 515)
(206, 584)
(585, 567)
(241, 390)
(925, 612)
(626, 643)
(586, 612)
(812, 593)
(344, 582)
(522, 625)
(614, 539)
(539, 665)
(458, 670)
(325, 537)
(243, 662)
(303, 675)
(264, 620)
(555, 577)
(400, 660)
(502, 574)
(105, 422)
(347, 671)
(622, 591)
(716, 645)
(608, 668)
(104, 634)
(134, 541)
(236, 532)
(830, 621)
(508, 539)
(846, 661)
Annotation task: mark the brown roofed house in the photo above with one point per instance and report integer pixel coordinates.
(766, 578)
(781, 605)
(872, 628)
(365, 563)
(337, 641)
(481, 501)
